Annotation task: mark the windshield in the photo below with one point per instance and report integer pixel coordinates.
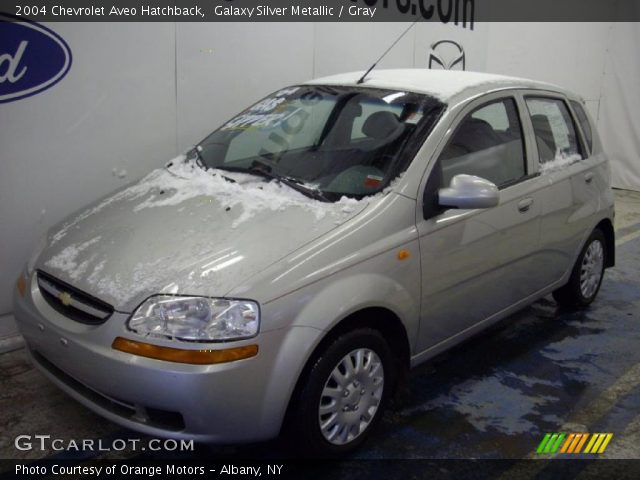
(332, 141)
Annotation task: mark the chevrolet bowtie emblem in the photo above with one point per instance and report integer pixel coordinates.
(65, 298)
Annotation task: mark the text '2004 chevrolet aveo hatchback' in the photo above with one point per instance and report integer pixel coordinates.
(285, 271)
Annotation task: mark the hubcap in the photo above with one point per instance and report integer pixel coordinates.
(591, 269)
(351, 396)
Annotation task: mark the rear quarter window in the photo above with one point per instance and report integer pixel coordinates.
(583, 120)
(554, 130)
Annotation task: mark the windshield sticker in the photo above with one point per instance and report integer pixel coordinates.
(414, 118)
(267, 104)
(286, 91)
(373, 181)
(257, 120)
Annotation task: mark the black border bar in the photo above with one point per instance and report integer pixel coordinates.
(463, 13)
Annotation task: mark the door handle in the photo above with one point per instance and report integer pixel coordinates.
(588, 177)
(525, 205)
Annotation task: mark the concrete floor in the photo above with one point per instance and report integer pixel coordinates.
(540, 371)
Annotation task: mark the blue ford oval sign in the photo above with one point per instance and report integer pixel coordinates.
(32, 58)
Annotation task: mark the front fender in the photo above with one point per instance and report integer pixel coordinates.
(324, 304)
(315, 310)
(338, 300)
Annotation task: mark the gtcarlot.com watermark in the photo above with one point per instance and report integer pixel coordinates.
(46, 443)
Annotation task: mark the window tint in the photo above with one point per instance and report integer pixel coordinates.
(336, 140)
(488, 144)
(494, 114)
(368, 109)
(584, 123)
(253, 142)
(553, 128)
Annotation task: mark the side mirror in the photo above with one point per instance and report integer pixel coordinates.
(469, 192)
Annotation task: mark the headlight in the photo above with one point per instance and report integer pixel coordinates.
(196, 318)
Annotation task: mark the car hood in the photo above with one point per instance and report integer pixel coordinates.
(183, 230)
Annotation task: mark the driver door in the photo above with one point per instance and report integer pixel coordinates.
(477, 263)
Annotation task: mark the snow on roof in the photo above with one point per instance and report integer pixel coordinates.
(442, 84)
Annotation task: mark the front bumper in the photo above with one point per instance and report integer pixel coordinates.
(235, 402)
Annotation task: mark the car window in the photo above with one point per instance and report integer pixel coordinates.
(335, 140)
(584, 123)
(495, 114)
(253, 142)
(554, 130)
(368, 109)
(487, 143)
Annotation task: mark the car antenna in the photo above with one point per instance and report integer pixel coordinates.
(386, 51)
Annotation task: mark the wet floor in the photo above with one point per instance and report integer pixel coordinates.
(495, 396)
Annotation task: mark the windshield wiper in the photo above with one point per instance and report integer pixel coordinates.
(201, 164)
(199, 160)
(264, 170)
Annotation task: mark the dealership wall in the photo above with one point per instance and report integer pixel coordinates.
(138, 94)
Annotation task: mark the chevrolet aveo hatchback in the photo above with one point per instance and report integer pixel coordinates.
(284, 273)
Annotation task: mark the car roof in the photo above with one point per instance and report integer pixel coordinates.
(445, 85)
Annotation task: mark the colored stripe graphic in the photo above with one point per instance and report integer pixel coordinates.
(605, 443)
(567, 443)
(543, 443)
(599, 443)
(572, 443)
(556, 445)
(551, 443)
(582, 442)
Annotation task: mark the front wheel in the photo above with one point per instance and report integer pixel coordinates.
(587, 274)
(344, 394)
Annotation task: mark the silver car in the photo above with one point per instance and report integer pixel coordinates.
(285, 272)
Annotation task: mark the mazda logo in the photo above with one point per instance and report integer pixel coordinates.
(447, 55)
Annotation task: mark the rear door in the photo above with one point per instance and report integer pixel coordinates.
(476, 263)
(563, 157)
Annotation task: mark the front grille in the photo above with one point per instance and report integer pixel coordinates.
(164, 419)
(71, 302)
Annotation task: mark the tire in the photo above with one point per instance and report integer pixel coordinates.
(586, 276)
(343, 395)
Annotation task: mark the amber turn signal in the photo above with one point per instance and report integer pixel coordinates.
(403, 254)
(179, 355)
(21, 285)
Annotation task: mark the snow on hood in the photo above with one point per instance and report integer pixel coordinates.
(185, 180)
(185, 230)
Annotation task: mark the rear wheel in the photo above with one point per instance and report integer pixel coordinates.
(344, 394)
(587, 274)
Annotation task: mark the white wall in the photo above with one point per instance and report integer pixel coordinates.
(115, 109)
(597, 60)
(137, 94)
(571, 55)
(619, 119)
(222, 68)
